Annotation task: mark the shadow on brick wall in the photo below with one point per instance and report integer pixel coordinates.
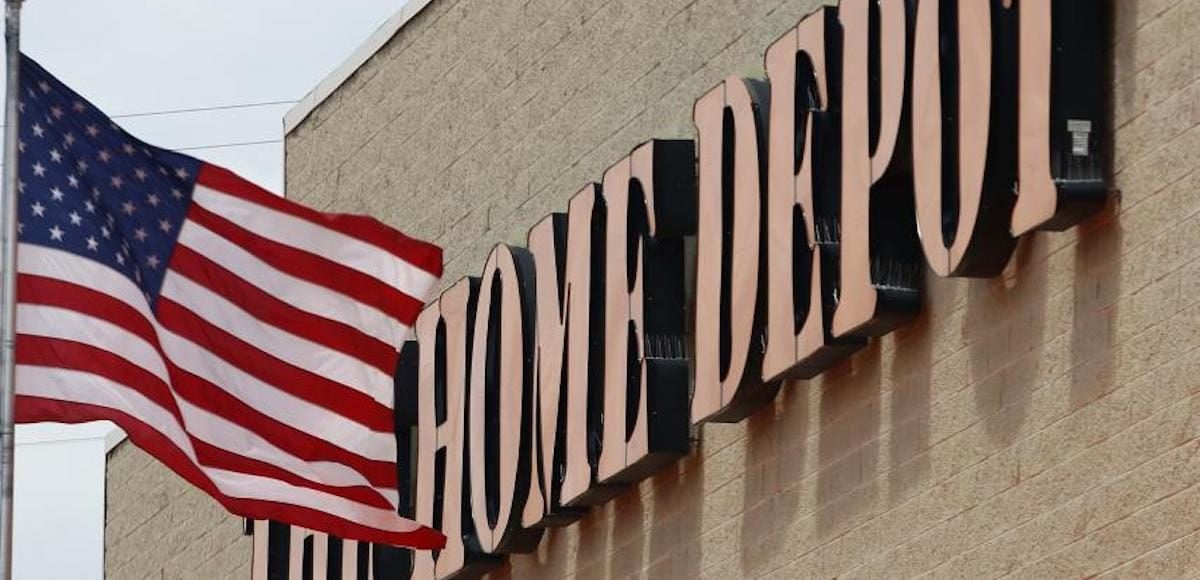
(1097, 290)
(775, 460)
(1005, 330)
(911, 378)
(848, 446)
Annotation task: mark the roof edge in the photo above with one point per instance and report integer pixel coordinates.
(332, 82)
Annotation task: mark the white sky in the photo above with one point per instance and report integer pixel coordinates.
(139, 56)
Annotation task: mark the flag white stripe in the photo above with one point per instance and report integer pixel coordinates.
(305, 235)
(65, 266)
(253, 487)
(297, 292)
(58, 323)
(264, 397)
(90, 389)
(294, 350)
(222, 433)
(86, 388)
(275, 402)
(64, 324)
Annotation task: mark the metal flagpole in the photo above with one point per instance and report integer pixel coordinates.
(8, 291)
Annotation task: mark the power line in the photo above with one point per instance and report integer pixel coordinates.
(226, 145)
(220, 145)
(204, 109)
(199, 109)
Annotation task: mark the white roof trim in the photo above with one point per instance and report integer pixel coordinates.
(365, 51)
(49, 433)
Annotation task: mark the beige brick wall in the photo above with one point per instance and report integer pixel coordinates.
(1043, 424)
(158, 526)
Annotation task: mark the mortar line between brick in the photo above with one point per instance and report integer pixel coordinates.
(1013, 447)
(1116, 479)
(1150, 416)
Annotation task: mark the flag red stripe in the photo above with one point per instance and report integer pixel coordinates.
(330, 333)
(65, 354)
(36, 409)
(194, 389)
(336, 397)
(33, 289)
(55, 353)
(298, 442)
(214, 456)
(312, 268)
(423, 255)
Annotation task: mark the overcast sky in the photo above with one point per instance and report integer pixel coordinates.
(131, 57)
(138, 56)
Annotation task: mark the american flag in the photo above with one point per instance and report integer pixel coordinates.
(247, 342)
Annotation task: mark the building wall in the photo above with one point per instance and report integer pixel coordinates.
(158, 526)
(1044, 423)
(58, 500)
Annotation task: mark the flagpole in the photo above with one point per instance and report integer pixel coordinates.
(8, 290)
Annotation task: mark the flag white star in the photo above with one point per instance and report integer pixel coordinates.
(117, 182)
(93, 245)
(128, 148)
(56, 194)
(140, 174)
(104, 231)
(104, 156)
(96, 193)
(55, 156)
(182, 173)
(140, 234)
(164, 225)
(56, 112)
(45, 86)
(20, 228)
(38, 209)
(152, 199)
(68, 140)
(128, 208)
(39, 169)
(73, 181)
(175, 193)
(120, 258)
(152, 261)
(38, 131)
(56, 234)
(20, 187)
(76, 219)
(82, 166)
(92, 130)
(78, 107)
(89, 206)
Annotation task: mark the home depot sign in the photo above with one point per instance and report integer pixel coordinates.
(697, 276)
